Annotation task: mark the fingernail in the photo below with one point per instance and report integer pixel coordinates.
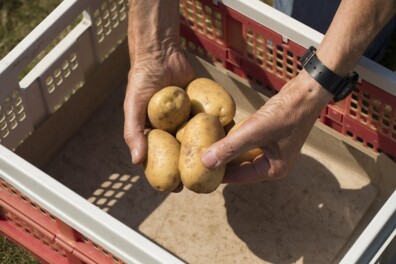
(210, 159)
(135, 154)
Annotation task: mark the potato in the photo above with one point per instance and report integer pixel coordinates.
(169, 108)
(180, 132)
(247, 156)
(201, 131)
(209, 97)
(162, 163)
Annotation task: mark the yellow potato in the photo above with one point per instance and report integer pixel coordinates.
(162, 163)
(169, 108)
(202, 131)
(180, 132)
(207, 96)
(248, 155)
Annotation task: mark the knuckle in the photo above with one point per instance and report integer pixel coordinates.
(279, 171)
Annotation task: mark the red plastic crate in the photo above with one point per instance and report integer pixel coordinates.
(48, 238)
(265, 58)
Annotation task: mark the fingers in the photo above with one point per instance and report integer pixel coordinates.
(260, 169)
(231, 146)
(135, 108)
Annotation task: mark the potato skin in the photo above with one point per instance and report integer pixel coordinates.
(201, 131)
(169, 108)
(162, 163)
(249, 155)
(209, 97)
(180, 132)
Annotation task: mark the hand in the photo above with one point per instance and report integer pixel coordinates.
(146, 77)
(279, 128)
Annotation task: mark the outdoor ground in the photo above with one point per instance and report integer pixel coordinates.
(17, 19)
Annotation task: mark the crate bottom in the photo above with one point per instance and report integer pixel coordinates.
(306, 218)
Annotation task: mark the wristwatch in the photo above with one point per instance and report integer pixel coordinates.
(338, 86)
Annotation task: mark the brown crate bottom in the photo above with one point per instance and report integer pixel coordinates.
(306, 218)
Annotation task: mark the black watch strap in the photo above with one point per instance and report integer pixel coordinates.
(339, 86)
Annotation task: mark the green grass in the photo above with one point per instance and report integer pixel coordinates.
(18, 18)
(11, 254)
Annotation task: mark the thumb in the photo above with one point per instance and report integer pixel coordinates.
(228, 148)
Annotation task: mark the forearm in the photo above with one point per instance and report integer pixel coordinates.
(153, 28)
(354, 26)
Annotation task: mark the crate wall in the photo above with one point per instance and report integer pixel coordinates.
(224, 36)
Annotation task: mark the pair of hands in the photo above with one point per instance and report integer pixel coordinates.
(280, 127)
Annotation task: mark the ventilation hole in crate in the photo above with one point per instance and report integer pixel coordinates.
(32, 204)
(218, 33)
(365, 103)
(218, 23)
(366, 95)
(11, 115)
(289, 70)
(3, 124)
(376, 102)
(5, 132)
(279, 56)
(290, 54)
(21, 116)
(385, 122)
(250, 78)
(116, 260)
(375, 117)
(299, 67)
(99, 31)
(354, 97)
(370, 145)
(279, 49)
(354, 105)
(364, 110)
(394, 127)
(259, 82)
(270, 52)
(219, 60)
(349, 133)
(388, 108)
(279, 65)
(58, 80)
(289, 62)
(359, 139)
(13, 124)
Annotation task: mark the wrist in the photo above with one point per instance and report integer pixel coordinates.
(156, 50)
(308, 93)
(153, 28)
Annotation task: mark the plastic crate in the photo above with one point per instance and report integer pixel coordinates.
(244, 39)
(59, 226)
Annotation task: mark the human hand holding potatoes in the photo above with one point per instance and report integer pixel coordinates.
(186, 123)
